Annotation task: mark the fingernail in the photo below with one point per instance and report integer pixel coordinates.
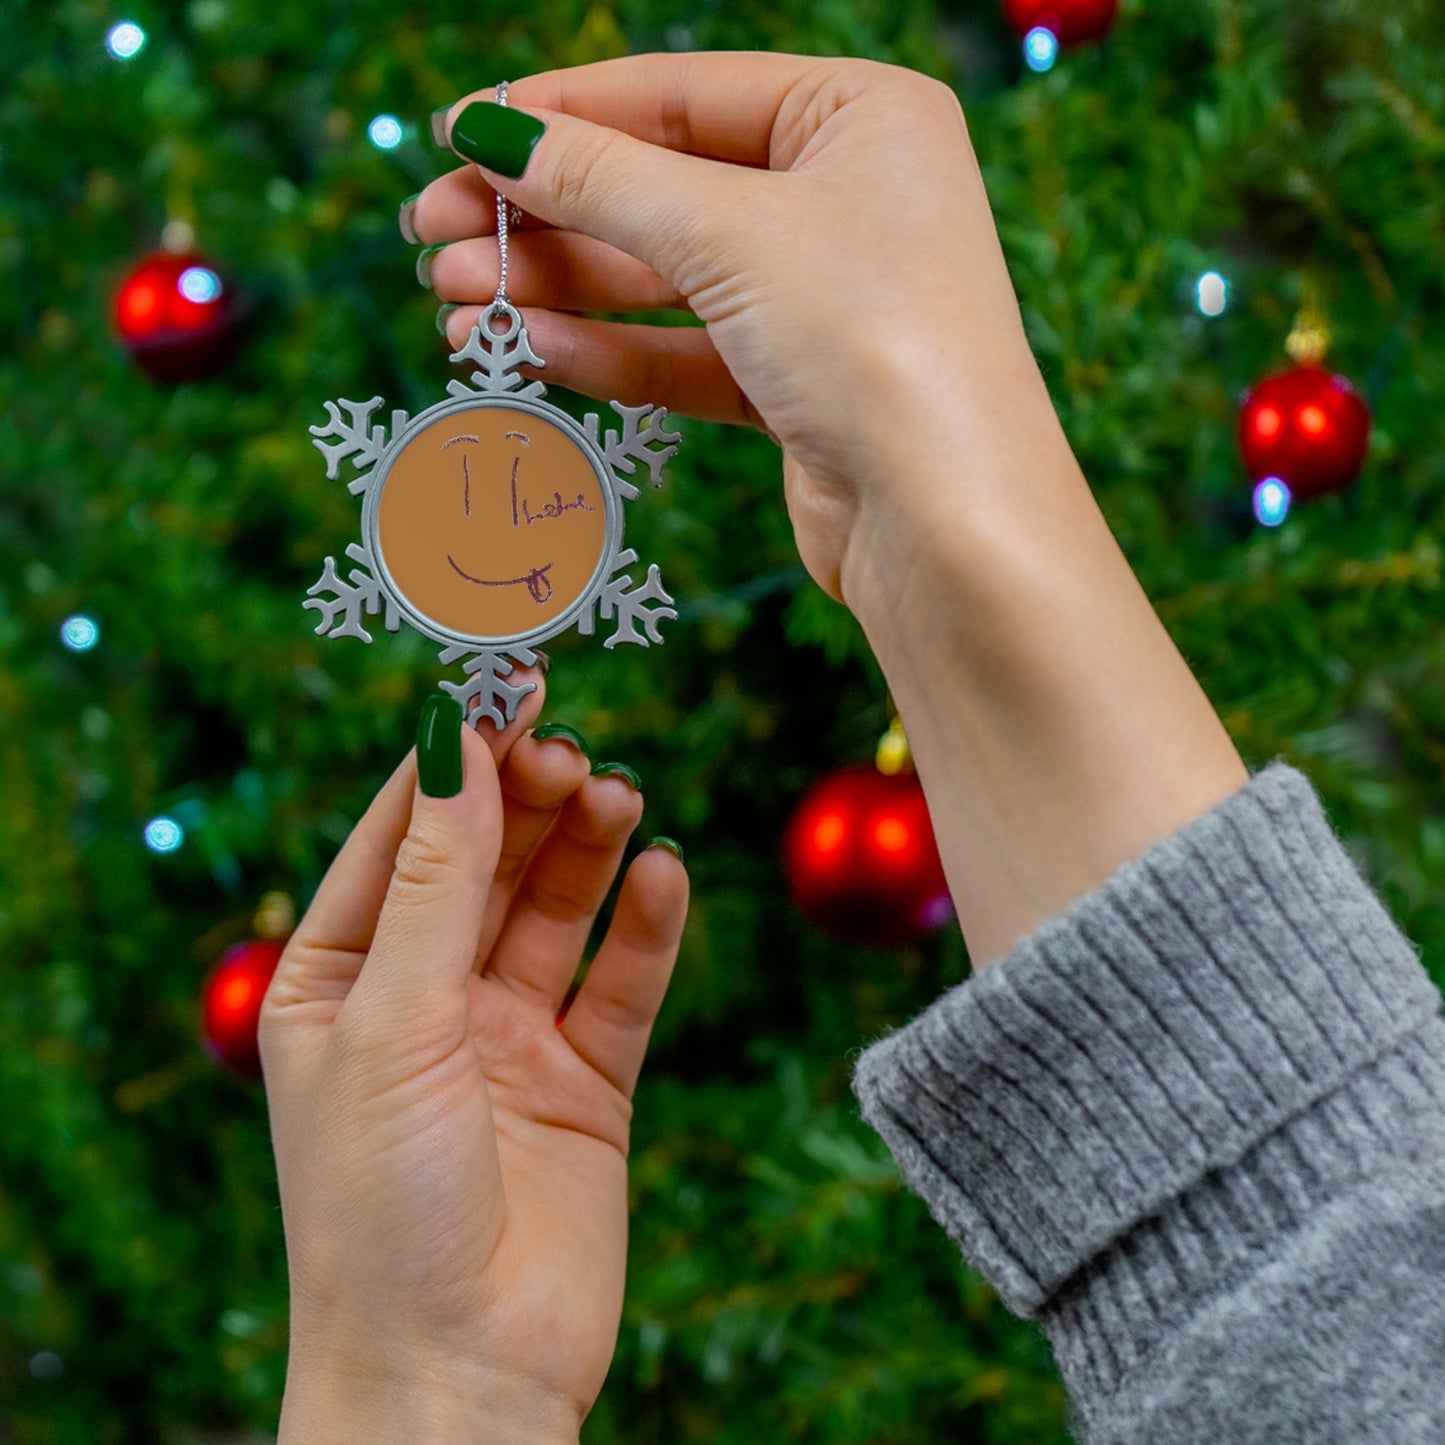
(443, 312)
(439, 125)
(439, 747)
(543, 661)
(404, 219)
(423, 263)
(671, 844)
(617, 770)
(496, 136)
(561, 730)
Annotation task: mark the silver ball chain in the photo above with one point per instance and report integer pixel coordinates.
(501, 300)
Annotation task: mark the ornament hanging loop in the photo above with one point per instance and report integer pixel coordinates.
(503, 311)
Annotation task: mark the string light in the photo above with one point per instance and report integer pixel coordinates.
(126, 40)
(80, 633)
(46, 1365)
(199, 284)
(385, 132)
(1271, 502)
(1211, 294)
(1041, 48)
(164, 835)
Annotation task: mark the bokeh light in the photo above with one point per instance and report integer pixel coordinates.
(1211, 293)
(1041, 48)
(126, 40)
(385, 132)
(1271, 501)
(46, 1365)
(164, 835)
(199, 284)
(80, 633)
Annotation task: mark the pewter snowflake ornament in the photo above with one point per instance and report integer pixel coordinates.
(492, 521)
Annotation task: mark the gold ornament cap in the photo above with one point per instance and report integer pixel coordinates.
(1310, 339)
(894, 755)
(275, 916)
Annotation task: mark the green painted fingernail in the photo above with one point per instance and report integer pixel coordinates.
(496, 136)
(619, 770)
(443, 312)
(439, 747)
(424, 260)
(405, 220)
(439, 125)
(561, 730)
(671, 844)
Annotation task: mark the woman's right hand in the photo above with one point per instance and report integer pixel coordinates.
(825, 218)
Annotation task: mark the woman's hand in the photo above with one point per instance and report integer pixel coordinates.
(452, 1158)
(825, 218)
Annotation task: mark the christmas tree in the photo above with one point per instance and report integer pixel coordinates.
(178, 744)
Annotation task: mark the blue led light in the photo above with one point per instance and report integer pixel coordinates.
(1041, 48)
(199, 284)
(385, 132)
(1271, 502)
(80, 633)
(126, 40)
(164, 835)
(1211, 294)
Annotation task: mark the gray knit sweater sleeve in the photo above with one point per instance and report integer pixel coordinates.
(1196, 1127)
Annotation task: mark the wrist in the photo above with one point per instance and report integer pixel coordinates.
(409, 1399)
(951, 480)
(1057, 730)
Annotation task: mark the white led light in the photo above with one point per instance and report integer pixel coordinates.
(385, 132)
(126, 40)
(164, 835)
(1211, 293)
(1041, 48)
(79, 633)
(199, 284)
(1271, 502)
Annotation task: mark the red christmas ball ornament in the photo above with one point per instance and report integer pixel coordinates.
(1307, 427)
(1071, 22)
(175, 316)
(231, 1003)
(861, 860)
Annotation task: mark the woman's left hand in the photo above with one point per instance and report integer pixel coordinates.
(452, 1154)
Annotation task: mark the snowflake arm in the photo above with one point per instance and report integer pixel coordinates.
(498, 355)
(643, 438)
(359, 440)
(484, 693)
(629, 606)
(341, 613)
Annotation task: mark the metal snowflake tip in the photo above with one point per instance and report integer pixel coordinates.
(492, 521)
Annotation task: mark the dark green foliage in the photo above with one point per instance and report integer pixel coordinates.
(783, 1285)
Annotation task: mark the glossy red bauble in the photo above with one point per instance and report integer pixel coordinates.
(1307, 427)
(176, 317)
(861, 860)
(1073, 22)
(231, 1003)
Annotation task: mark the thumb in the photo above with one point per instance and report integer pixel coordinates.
(422, 952)
(656, 204)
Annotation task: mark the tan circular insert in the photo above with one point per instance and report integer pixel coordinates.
(491, 521)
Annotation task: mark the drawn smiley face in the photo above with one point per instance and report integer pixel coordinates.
(492, 522)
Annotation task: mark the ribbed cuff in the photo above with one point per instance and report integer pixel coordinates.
(1227, 981)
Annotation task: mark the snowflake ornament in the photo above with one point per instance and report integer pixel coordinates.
(492, 521)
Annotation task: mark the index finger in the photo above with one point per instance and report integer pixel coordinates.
(724, 105)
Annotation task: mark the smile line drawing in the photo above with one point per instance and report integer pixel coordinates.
(536, 580)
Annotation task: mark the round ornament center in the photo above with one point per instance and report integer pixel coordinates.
(492, 522)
